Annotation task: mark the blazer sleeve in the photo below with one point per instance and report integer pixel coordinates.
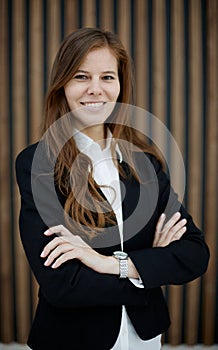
(73, 284)
(179, 262)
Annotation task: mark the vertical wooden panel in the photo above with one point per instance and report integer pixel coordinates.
(159, 59)
(211, 200)
(177, 83)
(19, 140)
(177, 129)
(107, 15)
(195, 153)
(141, 54)
(175, 307)
(53, 30)
(159, 70)
(36, 87)
(124, 23)
(89, 13)
(71, 16)
(36, 68)
(6, 282)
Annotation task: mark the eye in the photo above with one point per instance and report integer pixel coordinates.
(80, 77)
(108, 77)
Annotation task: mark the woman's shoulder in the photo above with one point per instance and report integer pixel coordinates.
(34, 158)
(34, 154)
(27, 151)
(23, 164)
(26, 155)
(38, 149)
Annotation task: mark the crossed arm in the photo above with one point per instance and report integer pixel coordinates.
(67, 246)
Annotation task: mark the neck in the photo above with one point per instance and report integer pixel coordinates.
(97, 133)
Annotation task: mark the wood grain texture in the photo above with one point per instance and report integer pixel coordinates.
(141, 53)
(19, 134)
(124, 23)
(89, 13)
(36, 93)
(195, 155)
(71, 22)
(53, 31)
(107, 15)
(6, 268)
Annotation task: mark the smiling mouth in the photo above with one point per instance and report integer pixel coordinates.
(93, 104)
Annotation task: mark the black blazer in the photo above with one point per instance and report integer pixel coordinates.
(79, 308)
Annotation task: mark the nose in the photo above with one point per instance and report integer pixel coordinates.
(94, 87)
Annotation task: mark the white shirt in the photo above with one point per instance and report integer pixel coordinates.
(106, 173)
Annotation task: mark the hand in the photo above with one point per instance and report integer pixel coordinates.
(171, 231)
(67, 246)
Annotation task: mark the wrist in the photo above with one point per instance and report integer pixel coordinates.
(109, 265)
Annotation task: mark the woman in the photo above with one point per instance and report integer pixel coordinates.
(100, 259)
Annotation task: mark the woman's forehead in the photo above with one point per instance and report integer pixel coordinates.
(103, 58)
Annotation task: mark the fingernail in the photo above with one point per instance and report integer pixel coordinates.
(47, 232)
(163, 215)
(42, 254)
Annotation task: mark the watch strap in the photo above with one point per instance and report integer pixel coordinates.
(122, 257)
(123, 268)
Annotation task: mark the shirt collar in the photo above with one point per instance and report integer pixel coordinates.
(91, 148)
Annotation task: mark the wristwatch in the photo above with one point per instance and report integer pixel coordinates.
(122, 257)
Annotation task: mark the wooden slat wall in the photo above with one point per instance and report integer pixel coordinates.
(195, 151)
(178, 130)
(174, 45)
(6, 263)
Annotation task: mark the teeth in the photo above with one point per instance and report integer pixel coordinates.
(93, 104)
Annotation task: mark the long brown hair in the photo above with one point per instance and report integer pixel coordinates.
(69, 58)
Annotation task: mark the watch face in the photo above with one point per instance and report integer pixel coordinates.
(120, 255)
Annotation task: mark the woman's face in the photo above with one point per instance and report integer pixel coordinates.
(93, 87)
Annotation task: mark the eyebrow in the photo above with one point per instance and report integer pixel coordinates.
(105, 72)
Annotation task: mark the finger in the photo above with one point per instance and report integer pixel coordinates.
(180, 224)
(52, 245)
(160, 223)
(59, 229)
(179, 234)
(158, 229)
(57, 252)
(174, 234)
(63, 258)
(64, 233)
(175, 229)
(48, 232)
(172, 221)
